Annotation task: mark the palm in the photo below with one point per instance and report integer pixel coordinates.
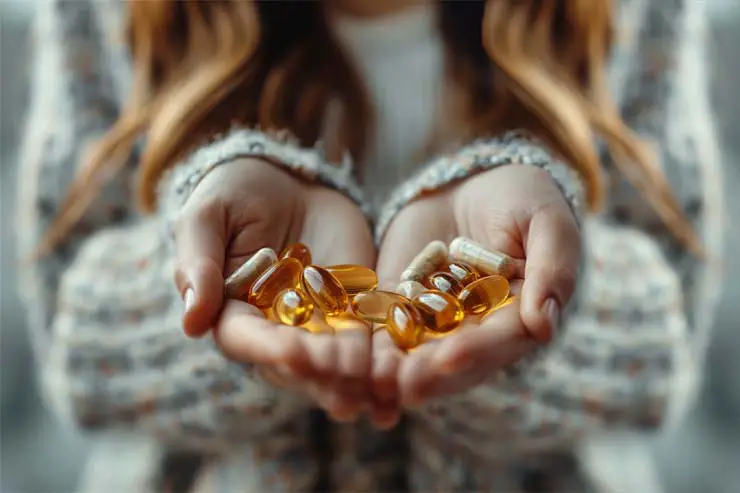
(516, 210)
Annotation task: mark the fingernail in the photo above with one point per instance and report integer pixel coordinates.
(189, 299)
(551, 309)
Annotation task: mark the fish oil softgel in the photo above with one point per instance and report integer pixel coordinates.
(290, 289)
(441, 286)
(446, 285)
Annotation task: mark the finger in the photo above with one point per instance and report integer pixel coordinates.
(244, 335)
(416, 374)
(386, 363)
(553, 249)
(353, 371)
(200, 246)
(415, 227)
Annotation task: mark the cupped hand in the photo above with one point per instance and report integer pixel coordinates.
(239, 208)
(517, 210)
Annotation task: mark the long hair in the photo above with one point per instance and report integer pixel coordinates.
(202, 66)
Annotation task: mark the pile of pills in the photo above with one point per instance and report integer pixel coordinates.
(439, 289)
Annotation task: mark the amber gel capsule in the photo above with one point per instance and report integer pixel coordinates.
(445, 282)
(441, 312)
(279, 276)
(354, 278)
(405, 325)
(373, 305)
(324, 289)
(484, 295)
(292, 307)
(298, 251)
(465, 273)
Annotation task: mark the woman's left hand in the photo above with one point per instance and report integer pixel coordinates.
(515, 209)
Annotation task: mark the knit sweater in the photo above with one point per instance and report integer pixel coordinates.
(105, 316)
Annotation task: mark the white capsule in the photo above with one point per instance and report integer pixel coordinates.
(409, 289)
(238, 283)
(487, 261)
(429, 260)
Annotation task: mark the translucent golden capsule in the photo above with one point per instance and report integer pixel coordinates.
(317, 324)
(441, 312)
(298, 251)
(373, 305)
(354, 278)
(445, 282)
(281, 275)
(409, 289)
(465, 273)
(484, 295)
(486, 261)
(324, 289)
(431, 258)
(238, 283)
(509, 301)
(405, 325)
(346, 322)
(292, 307)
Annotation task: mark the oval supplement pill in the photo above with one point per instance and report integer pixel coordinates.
(354, 278)
(298, 251)
(279, 276)
(292, 307)
(324, 289)
(238, 283)
(441, 312)
(484, 295)
(373, 305)
(445, 282)
(404, 325)
(465, 273)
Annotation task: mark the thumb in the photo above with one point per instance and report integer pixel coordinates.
(553, 249)
(200, 248)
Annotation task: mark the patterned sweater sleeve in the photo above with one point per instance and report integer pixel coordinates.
(627, 354)
(103, 307)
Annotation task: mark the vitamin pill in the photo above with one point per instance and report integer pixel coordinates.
(281, 275)
(354, 278)
(292, 307)
(488, 262)
(237, 285)
(405, 325)
(317, 324)
(373, 305)
(324, 289)
(463, 272)
(440, 311)
(509, 301)
(445, 282)
(409, 289)
(430, 259)
(484, 295)
(298, 251)
(347, 321)
(269, 314)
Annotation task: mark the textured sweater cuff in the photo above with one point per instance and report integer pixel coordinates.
(308, 163)
(514, 147)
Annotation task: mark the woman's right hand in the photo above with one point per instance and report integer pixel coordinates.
(234, 211)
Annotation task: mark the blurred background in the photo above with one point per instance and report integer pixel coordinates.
(36, 455)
